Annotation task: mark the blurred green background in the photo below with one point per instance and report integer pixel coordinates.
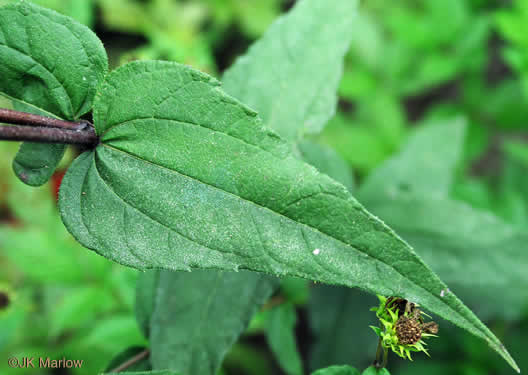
(411, 62)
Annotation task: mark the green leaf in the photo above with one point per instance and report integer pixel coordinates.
(49, 64)
(462, 245)
(374, 371)
(426, 164)
(197, 317)
(146, 289)
(295, 290)
(292, 73)
(513, 203)
(35, 163)
(79, 306)
(459, 241)
(247, 359)
(337, 370)
(327, 161)
(339, 319)
(280, 333)
(186, 177)
(104, 338)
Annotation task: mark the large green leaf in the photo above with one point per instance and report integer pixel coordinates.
(459, 242)
(48, 63)
(236, 78)
(196, 317)
(186, 177)
(292, 73)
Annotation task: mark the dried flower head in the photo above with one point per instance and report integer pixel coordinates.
(408, 330)
(403, 329)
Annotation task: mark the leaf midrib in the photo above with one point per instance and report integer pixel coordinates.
(115, 126)
(288, 218)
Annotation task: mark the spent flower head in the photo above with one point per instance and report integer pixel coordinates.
(402, 327)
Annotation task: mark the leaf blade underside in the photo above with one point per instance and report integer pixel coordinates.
(186, 177)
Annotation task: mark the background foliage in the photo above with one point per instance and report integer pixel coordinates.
(433, 99)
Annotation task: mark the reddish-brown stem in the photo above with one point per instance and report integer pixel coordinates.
(48, 135)
(9, 116)
(35, 128)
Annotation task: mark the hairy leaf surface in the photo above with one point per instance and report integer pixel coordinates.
(292, 73)
(187, 177)
(49, 64)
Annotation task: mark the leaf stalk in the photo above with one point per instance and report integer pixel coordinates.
(36, 128)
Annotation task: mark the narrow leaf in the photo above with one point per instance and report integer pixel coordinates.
(51, 63)
(146, 289)
(187, 177)
(339, 320)
(280, 333)
(193, 325)
(292, 73)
